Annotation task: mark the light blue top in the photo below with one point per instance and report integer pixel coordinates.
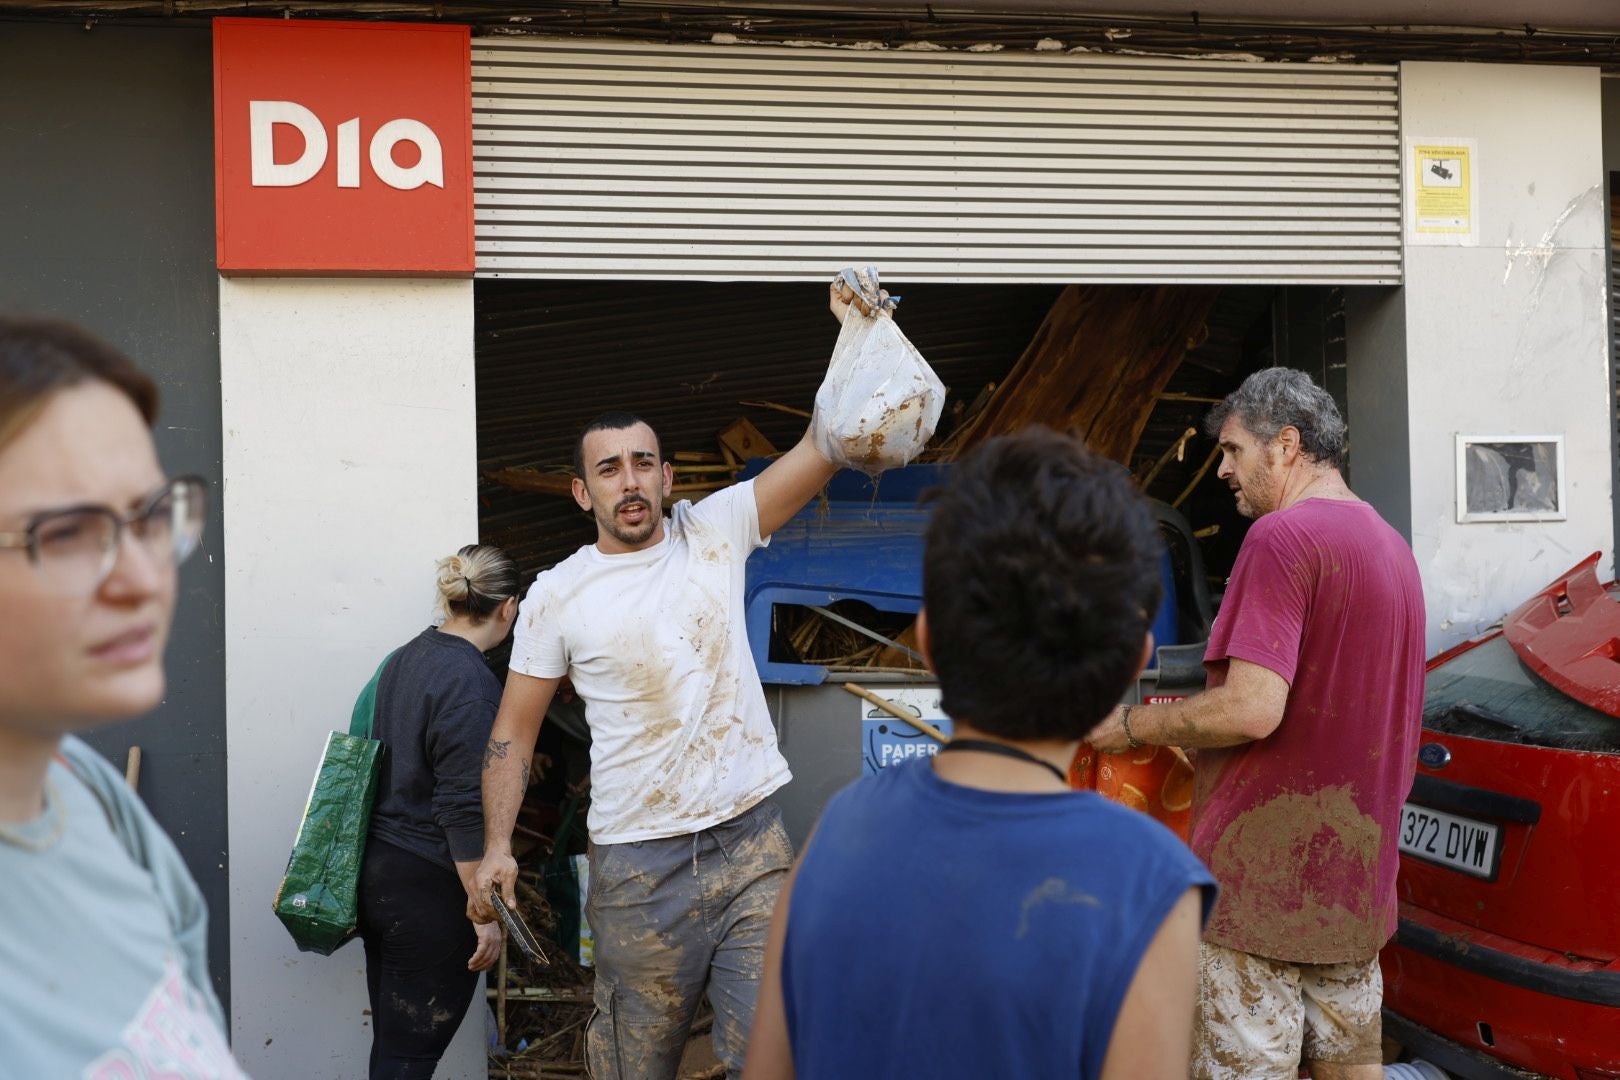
(103, 972)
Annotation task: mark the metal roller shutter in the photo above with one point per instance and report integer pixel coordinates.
(620, 160)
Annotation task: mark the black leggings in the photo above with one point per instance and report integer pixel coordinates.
(413, 920)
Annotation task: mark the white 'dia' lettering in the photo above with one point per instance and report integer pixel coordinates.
(267, 172)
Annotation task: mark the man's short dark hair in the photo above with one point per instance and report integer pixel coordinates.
(1041, 579)
(610, 421)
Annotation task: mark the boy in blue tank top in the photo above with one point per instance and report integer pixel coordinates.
(969, 915)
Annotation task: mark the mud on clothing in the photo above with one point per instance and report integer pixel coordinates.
(1300, 827)
(675, 919)
(942, 931)
(656, 647)
(103, 973)
(413, 922)
(1258, 1018)
(686, 862)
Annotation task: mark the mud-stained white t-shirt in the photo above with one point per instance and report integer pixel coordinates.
(655, 644)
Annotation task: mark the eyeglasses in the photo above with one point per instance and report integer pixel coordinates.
(76, 548)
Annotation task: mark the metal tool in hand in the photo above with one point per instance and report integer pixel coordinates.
(517, 929)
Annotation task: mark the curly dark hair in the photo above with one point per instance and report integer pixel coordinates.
(1041, 580)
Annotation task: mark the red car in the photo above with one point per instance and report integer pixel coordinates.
(1507, 959)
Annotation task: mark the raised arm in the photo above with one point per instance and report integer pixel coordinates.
(794, 478)
(791, 481)
(507, 760)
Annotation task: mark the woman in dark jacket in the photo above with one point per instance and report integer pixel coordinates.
(436, 701)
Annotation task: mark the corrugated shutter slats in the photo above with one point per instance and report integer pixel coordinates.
(628, 160)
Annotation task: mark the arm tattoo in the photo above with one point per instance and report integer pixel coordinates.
(495, 749)
(525, 765)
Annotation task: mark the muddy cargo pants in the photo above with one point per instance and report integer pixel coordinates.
(675, 919)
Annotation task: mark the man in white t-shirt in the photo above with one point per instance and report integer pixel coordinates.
(686, 856)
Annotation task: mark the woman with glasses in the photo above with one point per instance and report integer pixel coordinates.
(435, 705)
(102, 929)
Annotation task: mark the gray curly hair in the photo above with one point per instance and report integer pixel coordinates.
(1278, 397)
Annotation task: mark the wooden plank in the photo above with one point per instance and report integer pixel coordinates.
(1097, 365)
(745, 440)
(534, 481)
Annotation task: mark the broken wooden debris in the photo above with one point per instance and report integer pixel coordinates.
(542, 993)
(1097, 365)
(897, 712)
(776, 407)
(745, 440)
(814, 639)
(535, 481)
(1177, 452)
(1192, 485)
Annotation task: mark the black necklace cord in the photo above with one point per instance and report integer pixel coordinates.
(988, 747)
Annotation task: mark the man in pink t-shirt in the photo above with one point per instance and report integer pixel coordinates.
(1306, 745)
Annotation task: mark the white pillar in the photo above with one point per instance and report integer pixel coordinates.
(350, 464)
(1507, 337)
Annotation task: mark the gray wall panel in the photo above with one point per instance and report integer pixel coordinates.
(1380, 446)
(106, 177)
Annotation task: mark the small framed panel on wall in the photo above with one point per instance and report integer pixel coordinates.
(1510, 478)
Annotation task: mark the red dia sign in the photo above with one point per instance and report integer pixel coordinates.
(343, 148)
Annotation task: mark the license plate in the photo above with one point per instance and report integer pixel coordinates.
(1457, 843)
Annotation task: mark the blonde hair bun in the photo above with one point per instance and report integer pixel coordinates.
(475, 581)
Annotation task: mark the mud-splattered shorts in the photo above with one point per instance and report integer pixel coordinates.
(675, 919)
(1257, 1017)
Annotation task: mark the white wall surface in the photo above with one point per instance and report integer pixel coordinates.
(350, 466)
(1509, 337)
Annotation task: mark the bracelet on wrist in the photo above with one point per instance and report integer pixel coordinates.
(1125, 722)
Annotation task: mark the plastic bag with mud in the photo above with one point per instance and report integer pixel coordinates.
(880, 401)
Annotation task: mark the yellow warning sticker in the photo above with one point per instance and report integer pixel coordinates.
(1442, 192)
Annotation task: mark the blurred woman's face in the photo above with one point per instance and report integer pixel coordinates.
(74, 654)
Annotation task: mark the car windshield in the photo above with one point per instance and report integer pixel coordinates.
(1488, 693)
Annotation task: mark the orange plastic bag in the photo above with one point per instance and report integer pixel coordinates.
(1157, 780)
